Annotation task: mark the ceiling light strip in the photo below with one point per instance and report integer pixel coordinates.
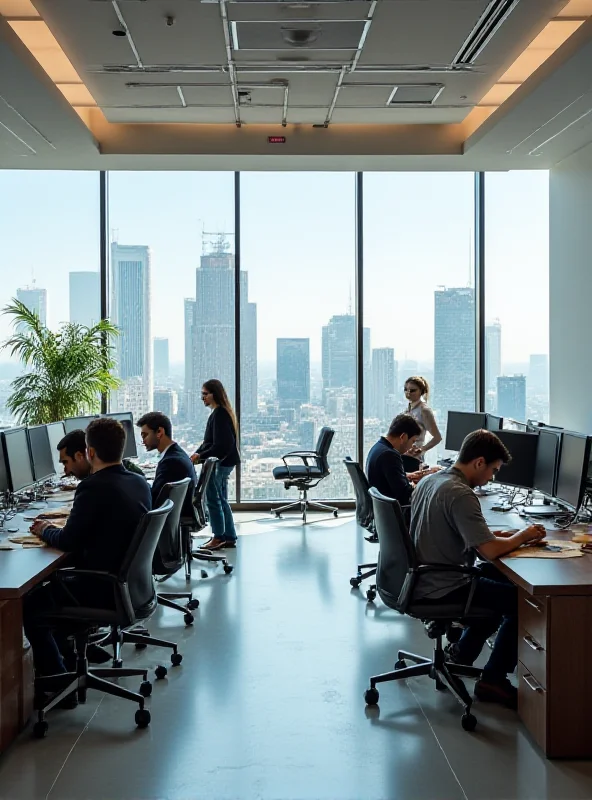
(309, 67)
(129, 36)
(335, 96)
(548, 122)
(181, 97)
(534, 152)
(230, 60)
(16, 136)
(29, 124)
(285, 108)
(362, 41)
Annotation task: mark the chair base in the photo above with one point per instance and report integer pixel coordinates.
(361, 576)
(303, 504)
(446, 674)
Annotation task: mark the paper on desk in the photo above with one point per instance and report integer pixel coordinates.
(568, 550)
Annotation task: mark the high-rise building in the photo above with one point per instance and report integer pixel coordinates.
(511, 397)
(383, 383)
(367, 371)
(493, 354)
(189, 403)
(165, 400)
(293, 372)
(454, 351)
(85, 298)
(34, 299)
(248, 353)
(130, 312)
(339, 352)
(161, 358)
(538, 374)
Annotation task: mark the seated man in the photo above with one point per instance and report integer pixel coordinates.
(72, 450)
(174, 463)
(448, 527)
(108, 505)
(384, 465)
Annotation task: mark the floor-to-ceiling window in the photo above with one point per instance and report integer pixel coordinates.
(49, 256)
(517, 294)
(172, 251)
(298, 325)
(419, 297)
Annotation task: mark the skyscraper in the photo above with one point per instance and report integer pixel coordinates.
(383, 383)
(493, 354)
(188, 400)
(85, 298)
(511, 397)
(248, 351)
(161, 358)
(367, 371)
(34, 299)
(293, 372)
(339, 352)
(165, 400)
(538, 374)
(454, 351)
(130, 312)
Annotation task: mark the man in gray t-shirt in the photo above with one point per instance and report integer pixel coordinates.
(448, 527)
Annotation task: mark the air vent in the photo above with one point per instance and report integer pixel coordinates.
(496, 13)
(415, 94)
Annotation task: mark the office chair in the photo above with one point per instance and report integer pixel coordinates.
(396, 577)
(133, 599)
(307, 475)
(197, 522)
(170, 554)
(365, 518)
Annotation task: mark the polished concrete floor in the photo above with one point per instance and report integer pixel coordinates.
(268, 702)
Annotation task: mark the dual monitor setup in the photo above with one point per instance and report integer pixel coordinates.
(29, 455)
(546, 459)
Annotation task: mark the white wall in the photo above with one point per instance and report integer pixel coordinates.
(570, 292)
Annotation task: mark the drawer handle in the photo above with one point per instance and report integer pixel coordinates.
(532, 643)
(533, 605)
(536, 687)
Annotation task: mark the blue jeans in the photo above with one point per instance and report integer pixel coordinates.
(218, 506)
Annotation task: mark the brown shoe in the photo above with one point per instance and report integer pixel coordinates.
(214, 544)
(503, 693)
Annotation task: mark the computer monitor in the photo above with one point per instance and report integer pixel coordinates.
(56, 432)
(523, 449)
(572, 469)
(460, 424)
(547, 459)
(15, 444)
(127, 420)
(79, 423)
(3, 473)
(493, 423)
(41, 455)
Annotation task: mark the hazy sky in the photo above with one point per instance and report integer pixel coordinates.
(298, 245)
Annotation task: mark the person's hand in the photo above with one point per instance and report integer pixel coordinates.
(39, 526)
(52, 515)
(534, 533)
(195, 458)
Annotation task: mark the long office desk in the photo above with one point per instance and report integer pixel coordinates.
(554, 644)
(20, 570)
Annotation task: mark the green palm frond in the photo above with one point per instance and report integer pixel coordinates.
(67, 370)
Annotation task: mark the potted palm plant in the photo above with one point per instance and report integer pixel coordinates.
(66, 370)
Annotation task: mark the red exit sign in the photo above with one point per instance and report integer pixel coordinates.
(276, 140)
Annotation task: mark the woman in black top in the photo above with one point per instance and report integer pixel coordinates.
(219, 441)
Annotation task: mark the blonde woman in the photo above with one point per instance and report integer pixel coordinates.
(417, 392)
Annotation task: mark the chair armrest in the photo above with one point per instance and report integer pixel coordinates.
(471, 571)
(304, 456)
(98, 576)
(311, 453)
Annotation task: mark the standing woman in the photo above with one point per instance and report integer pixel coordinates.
(417, 391)
(220, 440)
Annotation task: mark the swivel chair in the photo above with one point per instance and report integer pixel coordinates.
(396, 578)
(133, 598)
(305, 476)
(364, 518)
(197, 522)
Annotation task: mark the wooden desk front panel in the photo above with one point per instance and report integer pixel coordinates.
(16, 673)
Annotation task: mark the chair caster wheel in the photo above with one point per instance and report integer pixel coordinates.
(176, 659)
(371, 697)
(335, 514)
(160, 671)
(469, 722)
(145, 688)
(188, 618)
(142, 718)
(118, 663)
(400, 664)
(354, 582)
(204, 574)
(40, 729)
(192, 605)
(371, 595)
(228, 568)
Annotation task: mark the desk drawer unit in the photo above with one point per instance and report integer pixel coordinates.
(532, 616)
(532, 705)
(533, 655)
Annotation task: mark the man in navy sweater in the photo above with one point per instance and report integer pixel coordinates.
(108, 505)
(174, 464)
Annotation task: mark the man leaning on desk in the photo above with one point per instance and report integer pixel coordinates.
(107, 508)
(448, 527)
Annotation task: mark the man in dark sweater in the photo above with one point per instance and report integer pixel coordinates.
(108, 505)
(156, 431)
(384, 465)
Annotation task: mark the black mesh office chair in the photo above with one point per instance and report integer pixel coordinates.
(365, 518)
(170, 556)
(397, 574)
(133, 599)
(305, 476)
(197, 522)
